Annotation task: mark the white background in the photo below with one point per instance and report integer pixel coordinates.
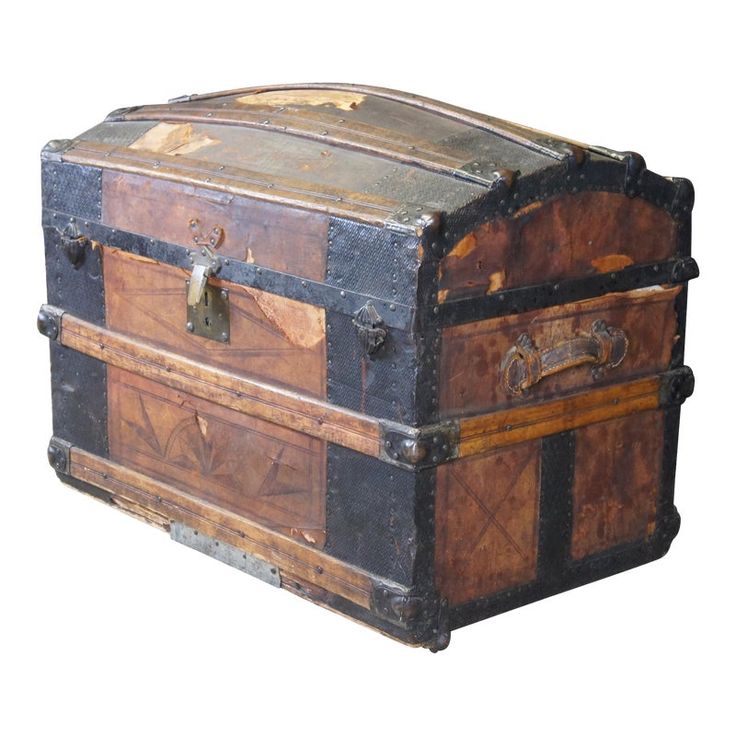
(107, 627)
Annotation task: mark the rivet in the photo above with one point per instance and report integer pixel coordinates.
(190, 326)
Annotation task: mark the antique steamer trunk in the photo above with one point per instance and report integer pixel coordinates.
(414, 363)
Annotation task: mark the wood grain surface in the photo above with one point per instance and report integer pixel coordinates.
(245, 465)
(292, 556)
(283, 238)
(271, 338)
(618, 467)
(472, 354)
(487, 513)
(570, 236)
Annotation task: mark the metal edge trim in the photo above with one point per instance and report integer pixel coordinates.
(414, 448)
(540, 296)
(317, 293)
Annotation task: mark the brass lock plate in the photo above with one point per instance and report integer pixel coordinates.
(210, 317)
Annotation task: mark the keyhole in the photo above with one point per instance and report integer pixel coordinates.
(206, 320)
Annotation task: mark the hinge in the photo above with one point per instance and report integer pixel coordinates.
(419, 448)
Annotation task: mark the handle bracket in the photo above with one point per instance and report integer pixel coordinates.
(525, 365)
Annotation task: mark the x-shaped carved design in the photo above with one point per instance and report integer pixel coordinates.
(490, 512)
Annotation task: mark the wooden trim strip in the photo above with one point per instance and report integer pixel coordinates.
(368, 208)
(270, 403)
(359, 432)
(162, 500)
(502, 128)
(326, 129)
(510, 426)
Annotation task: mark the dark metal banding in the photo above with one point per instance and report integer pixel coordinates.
(555, 505)
(541, 296)
(331, 297)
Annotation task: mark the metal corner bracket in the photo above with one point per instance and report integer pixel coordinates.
(48, 321)
(677, 385)
(58, 454)
(421, 447)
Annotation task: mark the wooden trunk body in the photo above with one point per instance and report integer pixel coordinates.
(417, 364)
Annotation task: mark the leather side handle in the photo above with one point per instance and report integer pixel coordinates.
(525, 364)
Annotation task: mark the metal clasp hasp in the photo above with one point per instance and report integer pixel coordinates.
(208, 306)
(205, 262)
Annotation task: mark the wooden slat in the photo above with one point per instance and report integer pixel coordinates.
(327, 129)
(298, 412)
(510, 426)
(367, 208)
(502, 128)
(291, 557)
(477, 434)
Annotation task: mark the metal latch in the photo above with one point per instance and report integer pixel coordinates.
(208, 307)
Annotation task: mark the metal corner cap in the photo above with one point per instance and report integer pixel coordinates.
(54, 149)
(48, 321)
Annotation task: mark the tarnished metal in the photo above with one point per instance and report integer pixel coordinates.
(525, 364)
(48, 321)
(210, 316)
(489, 173)
(423, 447)
(73, 244)
(369, 324)
(208, 306)
(58, 454)
(53, 150)
(416, 217)
(574, 154)
(677, 386)
(226, 553)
